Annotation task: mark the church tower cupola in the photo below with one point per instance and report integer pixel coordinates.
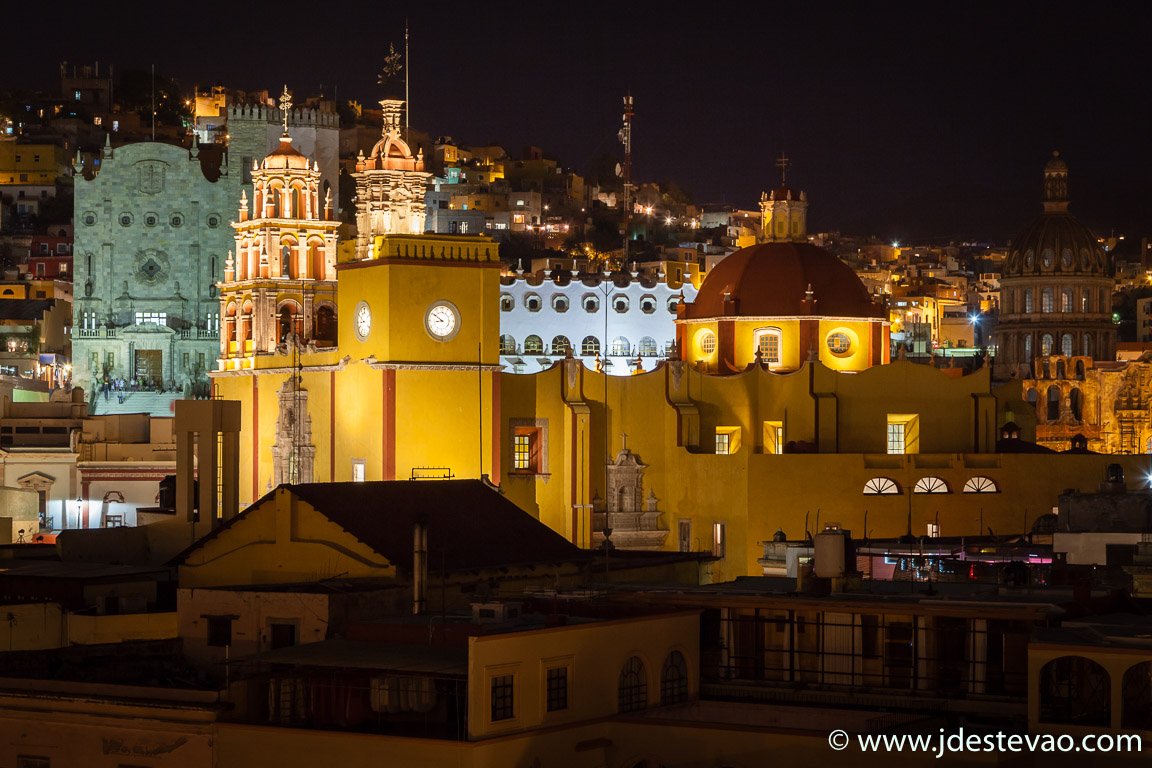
(1056, 185)
(783, 213)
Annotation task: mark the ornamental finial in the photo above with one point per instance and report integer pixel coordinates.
(285, 107)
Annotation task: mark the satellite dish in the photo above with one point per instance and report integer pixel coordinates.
(619, 170)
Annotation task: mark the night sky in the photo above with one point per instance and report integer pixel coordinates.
(924, 121)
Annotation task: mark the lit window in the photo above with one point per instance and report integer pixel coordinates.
(707, 341)
(723, 443)
(881, 486)
(521, 451)
(774, 437)
(357, 470)
(621, 346)
(1046, 344)
(648, 347)
(980, 484)
(1046, 300)
(502, 697)
(930, 484)
(839, 343)
(768, 344)
(719, 539)
(154, 318)
(903, 434)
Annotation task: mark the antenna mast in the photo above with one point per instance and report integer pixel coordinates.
(407, 103)
(626, 140)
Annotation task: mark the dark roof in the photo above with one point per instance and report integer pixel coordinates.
(772, 279)
(470, 525)
(24, 309)
(1074, 250)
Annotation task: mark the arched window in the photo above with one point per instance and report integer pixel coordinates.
(931, 484)
(1066, 345)
(768, 345)
(1033, 399)
(590, 347)
(507, 344)
(1027, 300)
(632, 693)
(1080, 370)
(1046, 344)
(881, 486)
(1060, 369)
(533, 345)
(1087, 346)
(1053, 401)
(1076, 403)
(648, 347)
(1076, 691)
(620, 347)
(561, 345)
(1046, 300)
(1066, 300)
(674, 679)
(326, 329)
(1028, 349)
(707, 341)
(980, 484)
(1137, 701)
(289, 321)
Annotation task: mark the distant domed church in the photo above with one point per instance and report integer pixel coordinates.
(1055, 289)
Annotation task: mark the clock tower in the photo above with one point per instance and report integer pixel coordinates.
(411, 385)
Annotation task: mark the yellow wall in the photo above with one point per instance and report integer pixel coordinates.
(40, 163)
(671, 427)
(594, 654)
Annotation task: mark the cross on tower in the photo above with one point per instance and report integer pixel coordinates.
(285, 107)
(782, 163)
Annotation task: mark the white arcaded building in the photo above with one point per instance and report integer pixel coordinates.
(625, 319)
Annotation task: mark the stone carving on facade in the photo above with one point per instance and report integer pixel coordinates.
(151, 177)
(293, 453)
(632, 518)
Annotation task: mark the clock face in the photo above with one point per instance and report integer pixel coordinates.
(362, 320)
(442, 320)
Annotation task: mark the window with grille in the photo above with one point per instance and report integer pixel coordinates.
(522, 452)
(155, 318)
(590, 347)
(707, 342)
(632, 693)
(723, 443)
(895, 438)
(674, 679)
(769, 346)
(503, 687)
(557, 689)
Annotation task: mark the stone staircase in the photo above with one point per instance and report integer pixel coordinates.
(154, 403)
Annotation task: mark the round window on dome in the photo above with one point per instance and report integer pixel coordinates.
(706, 340)
(839, 343)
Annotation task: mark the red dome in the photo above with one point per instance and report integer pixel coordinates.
(771, 280)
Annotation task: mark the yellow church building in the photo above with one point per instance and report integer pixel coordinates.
(782, 411)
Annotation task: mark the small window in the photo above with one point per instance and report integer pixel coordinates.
(358, 470)
(176, 220)
(219, 631)
(869, 636)
(89, 219)
(774, 437)
(503, 703)
(532, 302)
(647, 304)
(33, 761)
(282, 635)
(722, 444)
(506, 303)
(533, 345)
(839, 343)
(560, 303)
(590, 304)
(151, 220)
(672, 302)
(507, 345)
(621, 347)
(526, 450)
(727, 440)
(648, 347)
(561, 346)
(620, 304)
(881, 486)
(213, 221)
(903, 435)
(557, 693)
(930, 484)
(707, 342)
(590, 347)
(980, 484)
(719, 539)
(125, 220)
(768, 345)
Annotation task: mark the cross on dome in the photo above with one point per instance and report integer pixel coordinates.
(285, 107)
(782, 163)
